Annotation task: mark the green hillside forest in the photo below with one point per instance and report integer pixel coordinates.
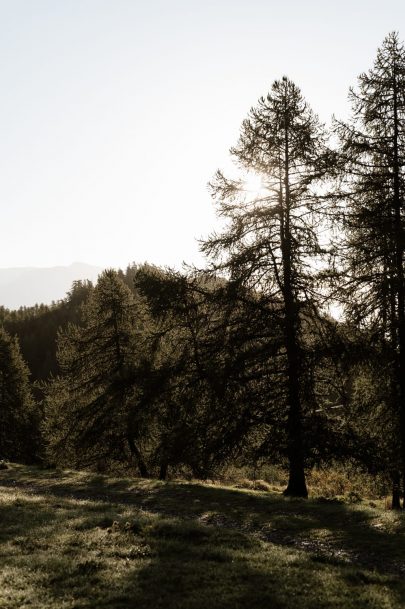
(229, 436)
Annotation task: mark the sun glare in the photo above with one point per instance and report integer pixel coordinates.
(253, 185)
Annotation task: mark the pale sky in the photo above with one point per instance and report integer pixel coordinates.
(114, 114)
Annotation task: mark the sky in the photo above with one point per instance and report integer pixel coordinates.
(114, 115)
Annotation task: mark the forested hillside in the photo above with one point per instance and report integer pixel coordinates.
(163, 372)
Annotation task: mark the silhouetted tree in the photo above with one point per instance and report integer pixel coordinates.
(270, 241)
(89, 406)
(371, 211)
(209, 373)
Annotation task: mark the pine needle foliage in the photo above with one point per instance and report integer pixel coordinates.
(270, 241)
(370, 209)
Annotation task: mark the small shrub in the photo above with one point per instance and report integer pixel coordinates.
(134, 527)
(345, 481)
(261, 485)
(354, 497)
(253, 485)
(329, 500)
(262, 478)
(88, 567)
(105, 523)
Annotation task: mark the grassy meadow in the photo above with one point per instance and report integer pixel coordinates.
(81, 540)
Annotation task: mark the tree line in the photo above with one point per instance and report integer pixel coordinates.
(243, 359)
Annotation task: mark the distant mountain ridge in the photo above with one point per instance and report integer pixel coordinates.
(27, 286)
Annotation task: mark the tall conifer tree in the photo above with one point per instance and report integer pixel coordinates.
(269, 242)
(89, 405)
(372, 213)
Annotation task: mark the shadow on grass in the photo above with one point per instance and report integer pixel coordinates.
(75, 554)
(330, 533)
(195, 567)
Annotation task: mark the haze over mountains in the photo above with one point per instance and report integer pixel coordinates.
(27, 286)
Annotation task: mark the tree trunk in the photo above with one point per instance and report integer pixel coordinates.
(296, 483)
(396, 491)
(136, 454)
(163, 470)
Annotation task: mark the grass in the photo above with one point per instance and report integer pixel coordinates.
(80, 540)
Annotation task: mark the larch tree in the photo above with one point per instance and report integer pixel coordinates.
(89, 407)
(270, 240)
(371, 213)
(207, 376)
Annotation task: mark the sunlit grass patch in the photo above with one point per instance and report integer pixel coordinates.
(78, 541)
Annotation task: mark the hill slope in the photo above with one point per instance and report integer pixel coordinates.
(74, 539)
